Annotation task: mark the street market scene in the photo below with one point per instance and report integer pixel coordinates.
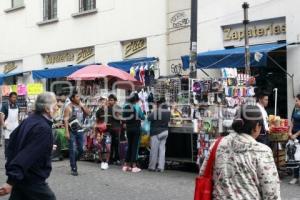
(161, 99)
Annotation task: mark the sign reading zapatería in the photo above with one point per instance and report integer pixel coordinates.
(73, 56)
(259, 32)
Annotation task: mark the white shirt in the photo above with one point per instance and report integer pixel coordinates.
(264, 115)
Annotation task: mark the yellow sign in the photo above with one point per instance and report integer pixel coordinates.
(9, 67)
(64, 57)
(84, 54)
(75, 56)
(35, 88)
(134, 46)
(269, 30)
(14, 88)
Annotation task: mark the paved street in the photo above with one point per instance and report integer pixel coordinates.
(113, 184)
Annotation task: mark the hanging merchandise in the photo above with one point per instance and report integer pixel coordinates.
(142, 74)
(132, 71)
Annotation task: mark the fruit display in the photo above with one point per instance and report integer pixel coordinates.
(279, 128)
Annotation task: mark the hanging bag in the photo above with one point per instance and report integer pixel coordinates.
(204, 183)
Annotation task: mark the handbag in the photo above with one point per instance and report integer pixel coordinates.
(204, 183)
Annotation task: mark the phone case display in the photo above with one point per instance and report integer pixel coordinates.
(22, 103)
(172, 89)
(203, 144)
(92, 103)
(207, 92)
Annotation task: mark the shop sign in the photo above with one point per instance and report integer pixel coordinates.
(179, 19)
(73, 57)
(35, 88)
(134, 46)
(9, 67)
(259, 32)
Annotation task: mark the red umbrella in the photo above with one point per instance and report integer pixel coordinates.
(92, 72)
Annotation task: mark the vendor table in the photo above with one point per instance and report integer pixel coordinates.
(181, 145)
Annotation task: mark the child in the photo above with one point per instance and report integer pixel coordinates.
(102, 141)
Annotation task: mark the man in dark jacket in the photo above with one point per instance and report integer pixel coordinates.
(159, 120)
(29, 154)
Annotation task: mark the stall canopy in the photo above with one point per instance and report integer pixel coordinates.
(234, 57)
(56, 72)
(125, 65)
(3, 76)
(93, 72)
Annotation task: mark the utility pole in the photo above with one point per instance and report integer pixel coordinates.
(247, 50)
(193, 43)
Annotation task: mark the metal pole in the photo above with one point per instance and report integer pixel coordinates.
(193, 44)
(247, 50)
(276, 98)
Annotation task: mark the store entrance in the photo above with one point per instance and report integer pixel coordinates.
(272, 76)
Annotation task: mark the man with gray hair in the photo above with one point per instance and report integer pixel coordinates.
(29, 154)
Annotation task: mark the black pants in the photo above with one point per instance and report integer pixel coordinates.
(133, 136)
(263, 138)
(6, 142)
(39, 191)
(115, 141)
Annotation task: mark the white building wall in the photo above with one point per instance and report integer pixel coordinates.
(122, 20)
(115, 21)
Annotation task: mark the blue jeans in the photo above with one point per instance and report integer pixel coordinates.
(75, 148)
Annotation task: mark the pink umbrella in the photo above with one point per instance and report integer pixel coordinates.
(92, 72)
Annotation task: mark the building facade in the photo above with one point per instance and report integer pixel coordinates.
(56, 33)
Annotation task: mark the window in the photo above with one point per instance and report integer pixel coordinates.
(17, 3)
(85, 5)
(50, 9)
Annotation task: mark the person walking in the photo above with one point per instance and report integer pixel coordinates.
(114, 126)
(262, 103)
(159, 123)
(244, 168)
(132, 115)
(74, 116)
(294, 133)
(28, 162)
(10, 118)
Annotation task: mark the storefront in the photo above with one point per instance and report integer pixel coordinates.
(59, 65)
(12, 73)
(268, 57)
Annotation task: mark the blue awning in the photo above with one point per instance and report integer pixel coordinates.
(3, 76)
(126, 64)
(233, 57)
(56, 72)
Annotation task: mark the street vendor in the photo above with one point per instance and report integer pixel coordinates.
(9, 117)
(262, 103)
(294, 133)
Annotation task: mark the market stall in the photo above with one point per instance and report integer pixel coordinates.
(94, 81)
(201, 110)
